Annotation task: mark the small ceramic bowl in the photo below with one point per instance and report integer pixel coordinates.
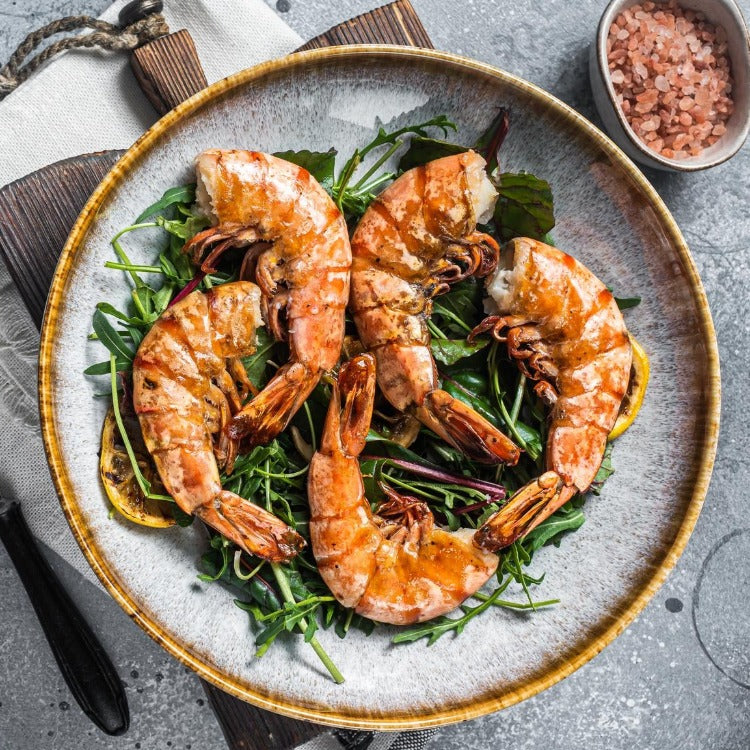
(720, 12)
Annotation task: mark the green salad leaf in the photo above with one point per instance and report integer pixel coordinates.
(524, 206)
(549, 531)
(450, 351)
(625, 303)
(422, 149)
(320, 164)
(184, 194)
(606, 470)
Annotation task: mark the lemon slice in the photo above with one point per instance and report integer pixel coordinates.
(119, 479)
(631, 404)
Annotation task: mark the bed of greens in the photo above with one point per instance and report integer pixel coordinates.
(286, 599)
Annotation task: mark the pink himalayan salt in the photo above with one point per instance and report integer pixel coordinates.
(671, 74)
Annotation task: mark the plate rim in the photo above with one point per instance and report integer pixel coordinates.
(403, 719)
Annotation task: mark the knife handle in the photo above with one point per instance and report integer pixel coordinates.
(83, 662)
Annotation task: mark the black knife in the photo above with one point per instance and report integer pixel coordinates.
(83, 662)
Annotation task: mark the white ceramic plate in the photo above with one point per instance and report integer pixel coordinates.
(607, 216)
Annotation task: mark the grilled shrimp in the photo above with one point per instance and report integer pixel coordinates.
(300, 253)
(418, 237)
(185, 387)
(396, 566)
(564, 330)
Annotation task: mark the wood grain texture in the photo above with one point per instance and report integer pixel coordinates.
(246, 727)
(38, 211)
(168, 70)
(36, 215)
(395, 23)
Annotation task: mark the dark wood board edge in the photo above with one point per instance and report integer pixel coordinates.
(36, 214)
(395, 23)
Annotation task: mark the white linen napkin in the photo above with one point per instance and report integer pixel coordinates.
(91, 101)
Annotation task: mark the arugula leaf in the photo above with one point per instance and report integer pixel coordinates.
(456, 310)
(450, 351)
(320, 164)
(625, 303)
(524, 206)
(186, 229)
(112, 339)
(551, 529)
(422, 150)
(392, 449)
(221, 544)
(179, 194)
(255, 364)
(434, 629)
(605, 471)
(102, 368)
(256, 589)
(531, 437)
(181, 518)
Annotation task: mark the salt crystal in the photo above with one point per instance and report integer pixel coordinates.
(686, 103)
(661, 83)
(681, 140)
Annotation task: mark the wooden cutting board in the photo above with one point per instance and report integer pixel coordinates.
(38, 211)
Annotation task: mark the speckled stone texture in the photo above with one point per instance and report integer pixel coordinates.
(677, 678)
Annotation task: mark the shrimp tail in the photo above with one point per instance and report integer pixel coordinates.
(254, 529)
(528, 507)
(466, 430)
(356, 385)
(261, 420)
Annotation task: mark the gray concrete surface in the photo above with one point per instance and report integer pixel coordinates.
(679, 677)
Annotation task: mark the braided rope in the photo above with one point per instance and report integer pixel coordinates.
(105, 35)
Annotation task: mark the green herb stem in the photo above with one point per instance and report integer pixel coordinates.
(516, 408)
(521, 575)
(437, 308)
(435, 630)
(286, 592)
(379, 163)
(435, 331)
(292, 475)
(313, 440)
(507, 604)
(130, 267)
(143, 483)
(245, 576)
